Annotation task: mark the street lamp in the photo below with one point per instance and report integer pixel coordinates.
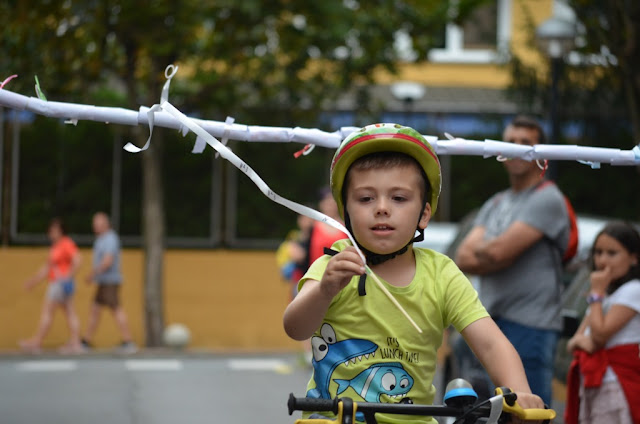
(555, 37)
(408, 92)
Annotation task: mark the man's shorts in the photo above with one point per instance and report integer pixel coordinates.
(107, 295)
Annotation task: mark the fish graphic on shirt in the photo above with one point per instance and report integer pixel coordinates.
(389, 379)
(329, 353)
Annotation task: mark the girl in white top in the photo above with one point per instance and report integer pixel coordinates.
(612, 320)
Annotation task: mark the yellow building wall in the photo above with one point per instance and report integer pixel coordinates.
(230, 300)
(495, 76)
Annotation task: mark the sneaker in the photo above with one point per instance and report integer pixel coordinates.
(127, 348)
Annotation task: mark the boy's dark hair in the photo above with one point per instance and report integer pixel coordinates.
(386, 160)
(627, 235)
(58, 222)
(524, 121)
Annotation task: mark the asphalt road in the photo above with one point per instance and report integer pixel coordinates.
(136, 390)
(153, 389)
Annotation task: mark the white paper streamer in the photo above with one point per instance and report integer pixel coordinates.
(227, 154)
(225, 135)
(168, 73)
(592, 156)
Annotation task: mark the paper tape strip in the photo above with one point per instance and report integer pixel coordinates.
(227, 154)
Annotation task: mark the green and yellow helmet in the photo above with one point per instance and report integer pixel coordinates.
(385, 138)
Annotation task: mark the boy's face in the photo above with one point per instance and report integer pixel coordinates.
(384, 206)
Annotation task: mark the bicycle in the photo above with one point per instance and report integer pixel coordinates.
(460, 403)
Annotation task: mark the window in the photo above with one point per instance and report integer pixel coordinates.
(481, 39)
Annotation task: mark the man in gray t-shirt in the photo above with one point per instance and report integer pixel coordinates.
(106, 274)
(516, 247)
(107, 248)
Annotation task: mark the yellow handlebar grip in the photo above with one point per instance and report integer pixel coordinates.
(529, 414)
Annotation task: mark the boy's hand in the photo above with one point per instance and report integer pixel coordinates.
(340, 269)
(527, 401)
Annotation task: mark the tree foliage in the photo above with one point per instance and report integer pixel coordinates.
(601, 77)
(599, 86)
(272, 62)
(612, 32)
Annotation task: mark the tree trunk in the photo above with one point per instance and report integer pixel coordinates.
(632, 91)
(5, 178)
(153, 224)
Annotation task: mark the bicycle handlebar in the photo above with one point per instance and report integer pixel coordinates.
(307, 404)
(312, 404)
(464, 413)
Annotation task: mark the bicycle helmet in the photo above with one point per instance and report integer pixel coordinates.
(384, 138)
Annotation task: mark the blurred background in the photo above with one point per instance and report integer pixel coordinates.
(199, 237)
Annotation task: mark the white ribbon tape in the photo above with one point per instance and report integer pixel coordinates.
(227, 154)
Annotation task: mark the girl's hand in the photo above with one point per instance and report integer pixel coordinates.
(582, 342)
(340, 269)
(600, 280)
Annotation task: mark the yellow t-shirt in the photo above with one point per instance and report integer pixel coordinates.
(367, 350)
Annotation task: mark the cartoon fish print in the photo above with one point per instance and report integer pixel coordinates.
(388, 379)
(328, 353)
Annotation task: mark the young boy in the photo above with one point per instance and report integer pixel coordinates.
(386, 181)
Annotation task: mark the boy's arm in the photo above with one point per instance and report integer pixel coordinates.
(500, 359)
(307, 310)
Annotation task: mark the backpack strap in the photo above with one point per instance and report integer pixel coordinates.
(570, 250)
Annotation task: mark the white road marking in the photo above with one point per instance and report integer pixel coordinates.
(153, 365)
(275, 365)
(47, 366)
(243, 364)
